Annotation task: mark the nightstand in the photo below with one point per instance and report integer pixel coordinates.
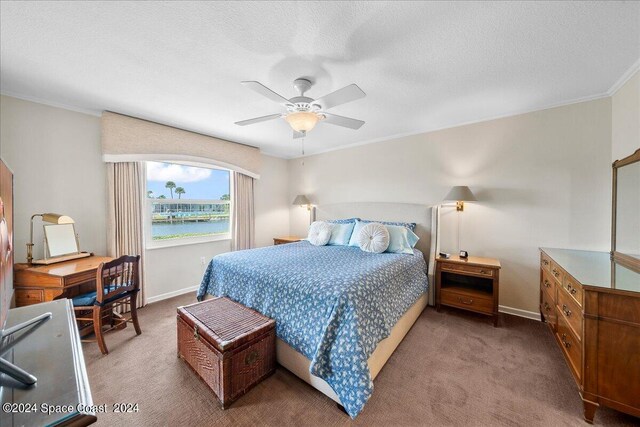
(470, 284)
(286, 239)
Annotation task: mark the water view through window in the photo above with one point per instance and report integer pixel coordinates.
(187, 201)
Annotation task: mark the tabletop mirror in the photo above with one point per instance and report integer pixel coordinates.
(625, 227)
(60, 240)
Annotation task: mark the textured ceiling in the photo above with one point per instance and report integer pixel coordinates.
(424, 66)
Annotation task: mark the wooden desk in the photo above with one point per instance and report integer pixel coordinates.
(34, 284)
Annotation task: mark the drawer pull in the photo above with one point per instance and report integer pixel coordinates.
(573, 291)
(465, 302)
(567, 344)
(547, 306)
(546, 283)
(545, 262)
(566, 310)
(195, 332)
(483, 272)
(563, 338)
(555, 272)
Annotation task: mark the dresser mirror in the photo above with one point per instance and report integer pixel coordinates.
(625, 227)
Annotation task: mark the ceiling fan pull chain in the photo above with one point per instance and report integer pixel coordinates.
(303, 151)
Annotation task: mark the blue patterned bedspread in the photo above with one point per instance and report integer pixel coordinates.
(333, 304)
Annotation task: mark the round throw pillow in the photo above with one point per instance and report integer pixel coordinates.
(374, 237)
(319, 233)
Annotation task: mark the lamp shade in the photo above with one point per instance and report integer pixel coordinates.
(302, 121)
(301, 200)
(57, 218)
(460, 193)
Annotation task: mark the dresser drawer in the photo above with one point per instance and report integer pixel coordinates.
(573, 288)
(474, 303)
(557, 273)
(548, 309)
(545, 261)
(571, 312)
(548, 284)
(571, 347)
(480, 271)
(28, 297)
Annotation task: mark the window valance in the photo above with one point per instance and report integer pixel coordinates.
(127, 139)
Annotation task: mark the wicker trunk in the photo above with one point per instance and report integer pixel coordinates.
(231, 347)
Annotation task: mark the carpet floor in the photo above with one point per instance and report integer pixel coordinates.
(452, 368)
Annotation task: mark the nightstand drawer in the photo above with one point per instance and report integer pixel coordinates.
(474, 303)
(285, 240)
(481, 271)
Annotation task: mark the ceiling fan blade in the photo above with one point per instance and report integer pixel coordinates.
(265, 91)
(340, 96)
(258, 119)
(343, 121)
(297, 134)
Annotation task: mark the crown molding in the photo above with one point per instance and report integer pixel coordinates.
(48, 103)
(624, 78)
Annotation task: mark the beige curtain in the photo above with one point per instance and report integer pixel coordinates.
(125, 187)
(243, 221)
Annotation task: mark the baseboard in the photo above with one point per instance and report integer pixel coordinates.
(520, 313)
(172, 294)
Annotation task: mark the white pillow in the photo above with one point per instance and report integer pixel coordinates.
(373, 237)
(319, 233)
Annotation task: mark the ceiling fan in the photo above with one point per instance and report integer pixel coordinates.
(303, 113)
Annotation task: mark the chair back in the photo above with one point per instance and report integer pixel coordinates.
(116, 277)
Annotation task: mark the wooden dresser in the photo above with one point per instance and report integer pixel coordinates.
(592, 305)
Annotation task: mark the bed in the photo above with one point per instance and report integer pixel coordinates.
(340, 312)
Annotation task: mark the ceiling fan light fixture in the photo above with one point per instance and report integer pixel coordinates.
(302, 121)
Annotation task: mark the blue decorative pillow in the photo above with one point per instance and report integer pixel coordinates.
(341, 233)
(401, 239)
(410, 225)
(353, 241)
(344, 221)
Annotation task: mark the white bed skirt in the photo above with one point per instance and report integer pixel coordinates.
(299, 364)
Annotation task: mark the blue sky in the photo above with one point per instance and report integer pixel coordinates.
(199, 183)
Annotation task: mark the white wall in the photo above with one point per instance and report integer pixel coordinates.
(625, 118)
(542, 179)
(56, 160)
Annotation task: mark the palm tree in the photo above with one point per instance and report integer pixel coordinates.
(225, 197)
(150, 194)
(180, 191)
(170, 185)
(162, 196)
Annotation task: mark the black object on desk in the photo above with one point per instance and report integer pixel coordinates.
(53, 353)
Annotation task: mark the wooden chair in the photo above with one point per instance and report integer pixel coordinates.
(117, 284)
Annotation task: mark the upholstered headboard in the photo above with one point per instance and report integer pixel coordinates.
(425, 217)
